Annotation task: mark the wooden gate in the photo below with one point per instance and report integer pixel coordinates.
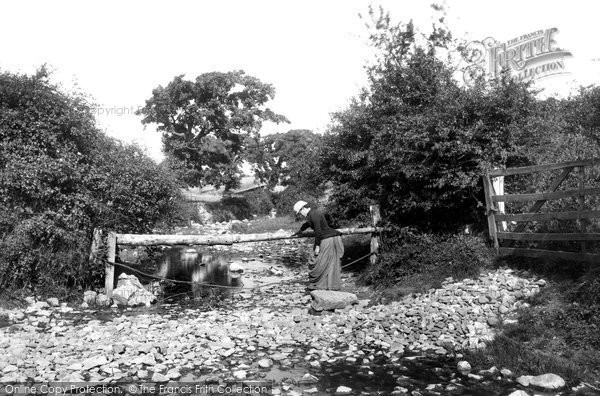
(514, 226)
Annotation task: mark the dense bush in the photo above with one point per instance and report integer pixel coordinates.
(427, 258)
(416, 141)
(229, 208)
(260, 201)
(61, 178)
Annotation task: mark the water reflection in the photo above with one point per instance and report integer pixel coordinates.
(203, 269)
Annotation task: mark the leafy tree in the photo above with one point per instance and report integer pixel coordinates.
(286, 159)
(60, 177)
(292, 160)
(205, 123)
(416, 141)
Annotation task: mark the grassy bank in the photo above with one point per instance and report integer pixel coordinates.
(558, 331)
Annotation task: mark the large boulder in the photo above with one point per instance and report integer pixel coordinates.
(130, 292)
(329, 300)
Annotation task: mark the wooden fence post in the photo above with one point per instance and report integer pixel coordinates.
(498, 185)
(375, 218)
(110, 268)
(581, 222)
(490, 210)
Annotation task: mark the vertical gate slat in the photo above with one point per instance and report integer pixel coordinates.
(490, 210)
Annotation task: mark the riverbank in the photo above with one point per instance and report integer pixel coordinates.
(265, 333)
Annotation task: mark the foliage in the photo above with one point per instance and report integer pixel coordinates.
(427, 259)
(61, 178)
(241, 207)
(205, 123)
(416, 141)
(229, 208)
(287, 159)
(260, 201)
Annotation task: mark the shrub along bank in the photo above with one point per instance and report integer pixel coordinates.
(61, 177)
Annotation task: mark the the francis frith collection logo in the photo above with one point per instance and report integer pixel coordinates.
(531, 56)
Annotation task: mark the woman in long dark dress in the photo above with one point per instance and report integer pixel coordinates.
(324, 263)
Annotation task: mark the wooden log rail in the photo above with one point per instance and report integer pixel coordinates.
(155, 239)
(115, 239)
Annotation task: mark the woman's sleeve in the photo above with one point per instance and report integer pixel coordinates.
(316, 221)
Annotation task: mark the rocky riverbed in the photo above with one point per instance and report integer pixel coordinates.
(264, 334)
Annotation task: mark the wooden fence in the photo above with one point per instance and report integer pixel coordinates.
(115, 239)
(494, 214)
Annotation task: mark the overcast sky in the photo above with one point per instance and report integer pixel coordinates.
(313, 52)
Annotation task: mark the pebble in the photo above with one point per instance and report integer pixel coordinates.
(265, 363)
(463, 367)
(158, 377)
(519, 393)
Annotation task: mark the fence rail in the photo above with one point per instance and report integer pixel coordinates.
(115, 239)
(493, 199)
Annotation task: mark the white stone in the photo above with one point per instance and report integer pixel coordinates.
(265, 363)
(547, 381)
(519, 393)
(329, 299)
(464, 367)
(524, 379)
(343, 389)
(158, 377)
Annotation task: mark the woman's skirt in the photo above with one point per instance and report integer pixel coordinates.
(325, 270)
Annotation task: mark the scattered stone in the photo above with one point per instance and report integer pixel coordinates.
(329, 300)
(89, 297)
(265, 363)
(463, 367)
(524, 380)
(309, 379)
(343, 390)
(493, 321)
(492, 371)
(265, 325)
(506, 372)
(102, 300)
(94, 362)
(547, 381)
(130, 292)
(519, 393)
(53, 302)
(239, 374)
(158, 377)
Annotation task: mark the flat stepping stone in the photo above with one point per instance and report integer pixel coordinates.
(329, 299)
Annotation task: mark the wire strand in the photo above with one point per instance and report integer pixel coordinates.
(214, 285)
